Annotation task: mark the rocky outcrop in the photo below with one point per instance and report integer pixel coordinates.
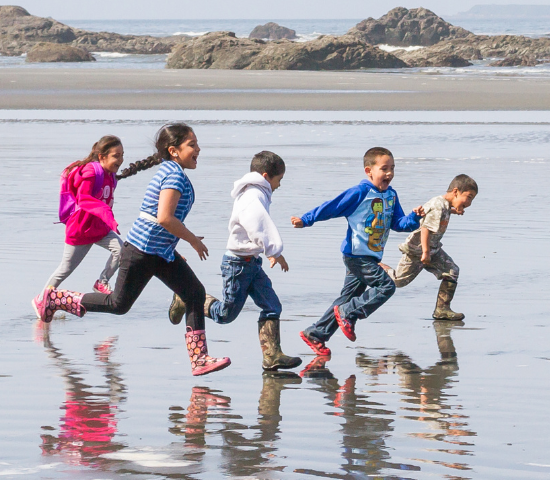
(20, 32)
(478, 47)
(402, 27)
(516, 61)
(56, 52)
(215, 50)
(224, 50)
(272, 31)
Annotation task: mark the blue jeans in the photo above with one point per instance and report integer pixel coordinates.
(244, 276)
(356, 301)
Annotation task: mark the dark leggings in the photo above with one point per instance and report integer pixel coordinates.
(136, 269)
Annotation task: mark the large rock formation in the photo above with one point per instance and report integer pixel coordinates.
(272, 31)
(402, 27)
(223, 50)
(20, 31)
(57, 52)
(478, 47)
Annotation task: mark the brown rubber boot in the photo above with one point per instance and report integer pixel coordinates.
(208, 303)
(270, 341)
(178, 307)
(443, 306)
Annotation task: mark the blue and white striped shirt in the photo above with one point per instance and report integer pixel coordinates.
(151, 237)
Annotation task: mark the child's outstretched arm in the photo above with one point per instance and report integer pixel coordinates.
(342, 206)
(168, 201)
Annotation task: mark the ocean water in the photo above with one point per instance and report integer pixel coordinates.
(305, 29)
(111, 397)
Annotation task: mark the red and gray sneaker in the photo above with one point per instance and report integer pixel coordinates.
(347, 327)
(102, 287)
(318, 347)
(38, 304)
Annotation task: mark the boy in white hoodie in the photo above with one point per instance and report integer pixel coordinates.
(251, 233)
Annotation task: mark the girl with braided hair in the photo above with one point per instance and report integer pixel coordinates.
(87, 199)
(149, 249)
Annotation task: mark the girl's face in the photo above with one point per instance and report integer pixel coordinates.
(186, 153)
(112, 161)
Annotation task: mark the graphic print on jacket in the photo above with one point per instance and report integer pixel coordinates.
(371, 222)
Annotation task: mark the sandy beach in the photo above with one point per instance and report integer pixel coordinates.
(139, 89)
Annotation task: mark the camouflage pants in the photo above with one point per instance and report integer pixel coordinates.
(441, 265)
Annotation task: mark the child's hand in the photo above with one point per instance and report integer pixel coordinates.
(426, 258)
(419, 211)
(280, 260)
(200, 247)
(454, 211)
(297, 222)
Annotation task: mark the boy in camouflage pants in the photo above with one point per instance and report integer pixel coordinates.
(422, 249)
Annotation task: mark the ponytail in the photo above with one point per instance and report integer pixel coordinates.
(140, 165)
(101, 147)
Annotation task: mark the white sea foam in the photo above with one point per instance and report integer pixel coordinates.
(191, 34)
(111, 54)
(393, 48)
(147, 459)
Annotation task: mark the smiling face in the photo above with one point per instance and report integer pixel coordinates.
(187, 152)
(112, 161)
(461, 200)
(381, 173)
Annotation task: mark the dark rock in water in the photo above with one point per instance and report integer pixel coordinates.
(224, 50)
(478, 47)
(516, 61)
(215, 50)
(402, 27)
(20, 31)
(55, 52)
(272, 31)
(324, 53)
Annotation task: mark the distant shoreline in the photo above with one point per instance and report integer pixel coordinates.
(138, 89)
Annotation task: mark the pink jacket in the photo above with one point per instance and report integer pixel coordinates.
(95, 217)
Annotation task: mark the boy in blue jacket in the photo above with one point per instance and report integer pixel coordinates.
(372, 209)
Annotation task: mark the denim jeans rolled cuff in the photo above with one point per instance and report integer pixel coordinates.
(243, 277)
(356, 300)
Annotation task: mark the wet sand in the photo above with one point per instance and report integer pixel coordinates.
(112, 397)
(58, 88)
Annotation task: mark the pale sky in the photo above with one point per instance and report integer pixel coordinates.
(243, 9)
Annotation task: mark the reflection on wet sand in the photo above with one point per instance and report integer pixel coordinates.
(365, 428)
(427, 396)
(90, 420)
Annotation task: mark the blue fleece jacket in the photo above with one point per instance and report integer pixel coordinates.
(370, 214)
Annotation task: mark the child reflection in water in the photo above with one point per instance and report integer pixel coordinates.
(89, 422)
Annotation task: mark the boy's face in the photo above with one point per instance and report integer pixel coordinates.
(381, 173)
(462, 200)
(275, 181)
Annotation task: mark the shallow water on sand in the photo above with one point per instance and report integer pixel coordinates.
(107, 397)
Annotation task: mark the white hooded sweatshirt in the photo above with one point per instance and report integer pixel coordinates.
(251, 229)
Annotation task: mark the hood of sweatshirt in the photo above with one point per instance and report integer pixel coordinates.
(252, 178)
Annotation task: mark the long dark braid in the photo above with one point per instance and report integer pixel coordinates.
(139, 166)
(170, 135)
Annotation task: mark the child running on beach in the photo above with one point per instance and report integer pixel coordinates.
(251, 233)
(149, 250)
(372, 208)
(88, 214)
(422, 249)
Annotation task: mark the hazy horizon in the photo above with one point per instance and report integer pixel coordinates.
(242, 9)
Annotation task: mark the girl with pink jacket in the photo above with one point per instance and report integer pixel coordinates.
(90, 221)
